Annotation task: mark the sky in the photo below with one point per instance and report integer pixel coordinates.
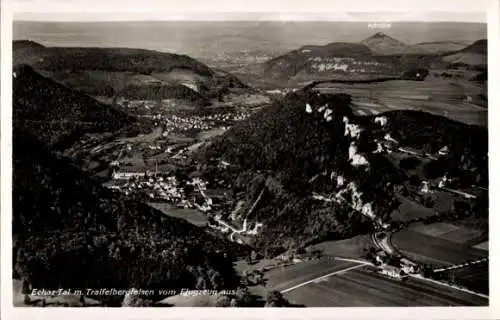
(300, 10)
(168, 16)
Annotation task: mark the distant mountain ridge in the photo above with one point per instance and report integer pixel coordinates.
(26, 44)
(110, 71)
(479, 46)
(438, 47)
(338, 58)
(109, 59)
(472, 56)
(378, 56)
(383, 44)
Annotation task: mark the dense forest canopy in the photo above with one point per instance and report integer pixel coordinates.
(57, 115)
(69, 232)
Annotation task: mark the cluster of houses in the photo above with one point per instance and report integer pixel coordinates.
(253, 277)
(147, 104)
(342, 64)
(398, 268)
(330, 66)
(174, 123)
(189, 194)
(154, 187)
(152, 104)
(426, 186)
(443, 183)
(164, 188)
(333, 59)
(282, 92)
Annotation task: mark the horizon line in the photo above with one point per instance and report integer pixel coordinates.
(164, 16)
(250, 20)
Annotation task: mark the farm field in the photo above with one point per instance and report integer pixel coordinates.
(191, 215)
(242, 265)
(293, 275)
(444, 89)
(433, 250)
(409, 210)
(474, 277)
(135, 160)
(247, 99)
(482, 245)
(155, 134)
(363, 287)
(352, 247)
(297, 274)
(455, 110)
(209, 134)
(435, 229)
(442, 202)
(458, 111)
(447, 231)
(437, 96)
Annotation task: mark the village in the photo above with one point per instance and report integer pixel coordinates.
(194, 123)
(190, 193)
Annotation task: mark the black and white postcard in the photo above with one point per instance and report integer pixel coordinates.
(277, 160)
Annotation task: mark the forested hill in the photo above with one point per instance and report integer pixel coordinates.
(474, 56)
(286, 138)
(109, 59)
(126, 72)
(295, 153)
(40, 98)
(313, 143)
(59, 115)
(69, 232)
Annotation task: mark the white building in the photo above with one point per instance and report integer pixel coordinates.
(352, 130)
(381, 120)
(443, 181)
(380, 149)
(328, 112)
(308, 108)
(425, 187)
(340, 181)
(356, 158)
(367, 210)
(388, 137)
(391, 271)
(127, 175)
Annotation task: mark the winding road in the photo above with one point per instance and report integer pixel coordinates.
(243, 229)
